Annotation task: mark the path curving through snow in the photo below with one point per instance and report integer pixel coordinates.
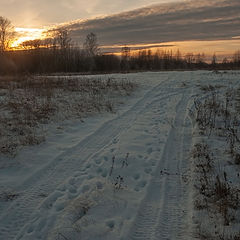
(154, 201)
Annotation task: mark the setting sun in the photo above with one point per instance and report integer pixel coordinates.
(26, 34)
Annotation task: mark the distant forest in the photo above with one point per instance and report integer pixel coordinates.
(57, 54)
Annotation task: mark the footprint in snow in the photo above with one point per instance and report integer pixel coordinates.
(85, 188)
(72, 189)
(136, 176)
(148, 170)
(110, 224)
(71, 181)
(99, 170)
(98, 161)
(104, 173)
(150, 150)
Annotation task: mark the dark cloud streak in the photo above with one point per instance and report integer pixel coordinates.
(207, 20)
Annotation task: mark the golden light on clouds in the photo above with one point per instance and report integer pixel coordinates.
(26, 34)
(222, 48)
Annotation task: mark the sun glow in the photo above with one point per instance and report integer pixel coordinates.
(26, 34)
(222, 48)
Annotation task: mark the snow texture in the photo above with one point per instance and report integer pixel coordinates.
(115, 176)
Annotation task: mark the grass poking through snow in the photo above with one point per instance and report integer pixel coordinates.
(27, 102)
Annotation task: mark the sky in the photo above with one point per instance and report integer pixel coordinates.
(204, 25)
(38, 13)
(209, 26)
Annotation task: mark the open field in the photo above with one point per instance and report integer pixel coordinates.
(27, 103)
(150, 155)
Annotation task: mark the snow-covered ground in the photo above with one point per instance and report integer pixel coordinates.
(123, 176)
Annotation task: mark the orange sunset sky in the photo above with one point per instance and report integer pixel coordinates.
(191, 26)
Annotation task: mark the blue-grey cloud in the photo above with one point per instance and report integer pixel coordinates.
(35, 13)
(187, 20)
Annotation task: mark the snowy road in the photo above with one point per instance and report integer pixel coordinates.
(163, 212)
(154, 203)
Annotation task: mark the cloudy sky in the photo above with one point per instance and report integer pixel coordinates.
(36, 13)
(204, 24)
(188, 20)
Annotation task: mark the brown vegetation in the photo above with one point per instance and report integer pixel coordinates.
(218, 195)
(26, 102)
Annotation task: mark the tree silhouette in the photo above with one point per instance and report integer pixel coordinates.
(63, 38)
(6, 33)
(91, 45)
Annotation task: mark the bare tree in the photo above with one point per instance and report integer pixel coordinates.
(190, 58)
(214, 60)
(200, 58)
(91, 45)
(32, 44)
(6, 33)
(63, 38)
(178, 55)
(125, 57)
(125, 52)
(236, 57)
(57, 38)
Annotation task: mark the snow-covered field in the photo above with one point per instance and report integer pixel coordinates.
(127, 175)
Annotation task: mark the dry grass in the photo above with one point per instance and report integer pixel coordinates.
(8, 195)
(27, 102)
(217, 119)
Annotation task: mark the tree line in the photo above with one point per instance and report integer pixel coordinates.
(57, 53)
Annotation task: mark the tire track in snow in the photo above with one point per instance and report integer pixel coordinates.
(46, 180)
(162, 214)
